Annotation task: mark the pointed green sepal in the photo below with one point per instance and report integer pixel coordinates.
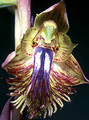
(57, 13)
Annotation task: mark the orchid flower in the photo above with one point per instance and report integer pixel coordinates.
(43, 66)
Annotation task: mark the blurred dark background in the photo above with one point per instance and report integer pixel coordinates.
(78, 15)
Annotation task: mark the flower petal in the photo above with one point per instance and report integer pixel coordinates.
(8, 59)
(19, 63)
(33, 89)
(65, 48)
(26, 43)
(70, 72)
(57, 13)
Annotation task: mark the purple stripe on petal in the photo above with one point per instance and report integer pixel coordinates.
(40, 76)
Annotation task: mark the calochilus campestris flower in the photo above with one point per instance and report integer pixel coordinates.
(43, 66)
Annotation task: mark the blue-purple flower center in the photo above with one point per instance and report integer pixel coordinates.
(40, 77)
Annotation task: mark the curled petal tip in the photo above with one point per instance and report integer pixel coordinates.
(8, 59)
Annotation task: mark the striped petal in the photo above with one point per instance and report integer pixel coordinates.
(19, 63)
(57, 13)
(69, 71)
(23, 51)
(26, 42)
(63, 76)
(32, 86)
(65, 48)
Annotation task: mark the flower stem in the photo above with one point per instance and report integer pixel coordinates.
(22, 19)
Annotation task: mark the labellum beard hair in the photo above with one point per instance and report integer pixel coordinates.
(39, 91)
(39, 86)
(44, 70)
(44, 75)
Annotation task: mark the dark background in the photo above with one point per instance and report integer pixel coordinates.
(78, 15)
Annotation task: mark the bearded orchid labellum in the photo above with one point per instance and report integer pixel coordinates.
(44, 68)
